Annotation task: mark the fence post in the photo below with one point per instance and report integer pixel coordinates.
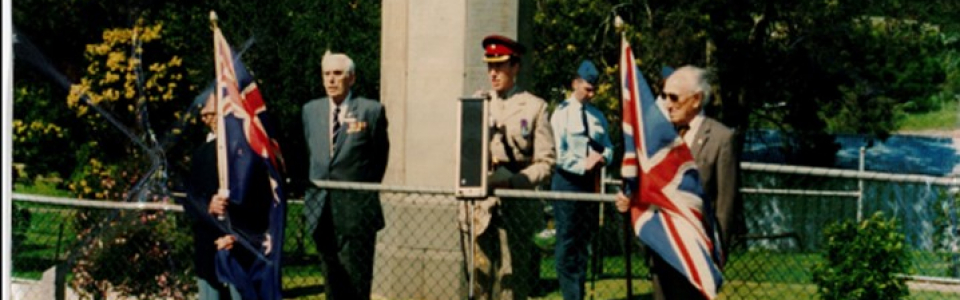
(954, 256)
(863, 151)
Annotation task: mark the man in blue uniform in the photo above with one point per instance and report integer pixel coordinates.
(583, 147)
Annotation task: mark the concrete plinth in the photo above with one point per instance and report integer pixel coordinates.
(431, 56)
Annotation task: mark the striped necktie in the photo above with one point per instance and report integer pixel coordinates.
(336, 129)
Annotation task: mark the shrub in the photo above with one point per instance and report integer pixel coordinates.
(144, 254)
(140, 254)
(862, 260)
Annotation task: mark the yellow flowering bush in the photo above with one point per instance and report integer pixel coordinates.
(36, 129)
(118, 80)
(128, 74)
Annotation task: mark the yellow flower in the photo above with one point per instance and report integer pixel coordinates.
(134, 62)
(103, 50)
(156, 67)
(115, 59)
(111, 77)
(110, 94)
(176, 61)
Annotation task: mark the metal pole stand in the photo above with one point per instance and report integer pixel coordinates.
(471, 274)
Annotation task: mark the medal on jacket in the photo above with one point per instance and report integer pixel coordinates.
(524, 129)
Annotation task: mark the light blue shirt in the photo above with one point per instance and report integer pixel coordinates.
(571, 138)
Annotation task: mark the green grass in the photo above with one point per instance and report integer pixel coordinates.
(38, 250)
(748, 275)
(943, 119)
(40, 187)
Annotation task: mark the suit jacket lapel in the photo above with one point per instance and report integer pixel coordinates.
(323, 128)
(701, 138)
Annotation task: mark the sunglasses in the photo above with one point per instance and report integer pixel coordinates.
(674, 97)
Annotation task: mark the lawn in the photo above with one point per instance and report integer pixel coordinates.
(749, 274)
(943, 119)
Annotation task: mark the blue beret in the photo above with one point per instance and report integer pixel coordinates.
(588, 72)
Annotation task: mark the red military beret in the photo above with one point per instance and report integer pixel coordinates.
(498, 48)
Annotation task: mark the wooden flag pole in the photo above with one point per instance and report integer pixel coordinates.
(223, 170)
(627, 228)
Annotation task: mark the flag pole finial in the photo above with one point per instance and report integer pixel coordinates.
(213, 19)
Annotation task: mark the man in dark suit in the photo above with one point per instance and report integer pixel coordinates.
(347, 140)
(201, 208)
(686, 93)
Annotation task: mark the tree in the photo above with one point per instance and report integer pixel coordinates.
(807, 68)
(127, 79)
(288, 41)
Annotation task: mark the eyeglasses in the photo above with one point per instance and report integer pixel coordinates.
(674, 97)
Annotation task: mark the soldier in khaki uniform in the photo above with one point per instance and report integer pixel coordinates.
(522, 157)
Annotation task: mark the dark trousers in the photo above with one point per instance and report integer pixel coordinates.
(576, 222)
(668, 283)
(347, 260)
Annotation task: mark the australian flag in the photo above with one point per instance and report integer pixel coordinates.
(667, 209)
(246, 150)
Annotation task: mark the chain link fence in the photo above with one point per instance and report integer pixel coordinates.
(114, 249)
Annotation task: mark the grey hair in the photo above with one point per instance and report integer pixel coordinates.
(701, 82)
(329, 56)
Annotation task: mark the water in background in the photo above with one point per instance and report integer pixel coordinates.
(902, 154)
(928, 213)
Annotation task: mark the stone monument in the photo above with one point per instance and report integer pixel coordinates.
(431, 56)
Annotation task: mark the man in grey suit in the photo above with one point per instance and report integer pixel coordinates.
(712, 145)
(687, 92)
(347, 140)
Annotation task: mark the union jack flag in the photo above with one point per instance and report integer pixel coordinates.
(667, 207)
(246, 146)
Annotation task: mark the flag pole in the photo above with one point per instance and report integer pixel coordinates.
(223, 174)
(628, 243)
(627, 229)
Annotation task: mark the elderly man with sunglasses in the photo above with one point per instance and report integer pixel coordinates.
(686, 92)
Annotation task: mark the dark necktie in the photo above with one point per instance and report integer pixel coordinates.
(586, 128)
(682, 130)
(336, 128)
